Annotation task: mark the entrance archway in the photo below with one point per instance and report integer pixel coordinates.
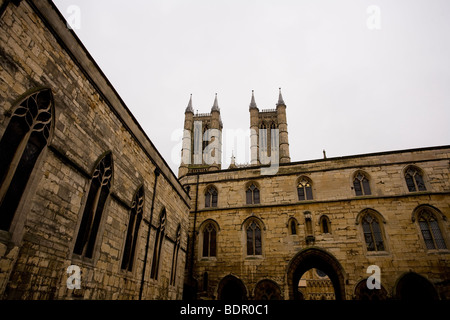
(319, 259)
(231, 289)
(412, 286)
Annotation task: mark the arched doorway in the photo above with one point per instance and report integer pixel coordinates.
(231, 289)
(412, 286)
(319, 259)
(362, 292)
(267, 290)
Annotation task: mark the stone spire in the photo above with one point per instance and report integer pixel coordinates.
(189, 107)
(280, 100)
(215, 106)
(252, 102)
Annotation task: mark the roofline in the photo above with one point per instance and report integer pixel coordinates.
(364, 155)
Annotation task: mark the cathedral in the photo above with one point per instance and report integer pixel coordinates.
(365, 227)
(90, 210)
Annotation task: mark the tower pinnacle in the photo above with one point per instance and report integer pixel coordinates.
(215, 106)
(280, 99)
(253, 102)
(189, 107)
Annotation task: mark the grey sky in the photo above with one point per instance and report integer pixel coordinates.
(348, 89)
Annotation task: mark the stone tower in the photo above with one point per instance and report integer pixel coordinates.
(269, 135)
(202, 140)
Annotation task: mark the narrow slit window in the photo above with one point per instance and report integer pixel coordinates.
(176, 249)
(136, 212)
(159, 239)
(92, 215)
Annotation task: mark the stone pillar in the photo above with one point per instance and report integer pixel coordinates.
(283, 134)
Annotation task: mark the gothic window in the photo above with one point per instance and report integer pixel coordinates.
(209, 240)
(263, 137)
(431, 231)
(304, 189)
(93, 210)
(159, 239)
(25, 137)
(211, 197)
(252, 194)
(176, 249)
(361, 184)
(414, 179)
(267, 290)
(325, 225)
(137, 208)
(372, 232)
(254, 244)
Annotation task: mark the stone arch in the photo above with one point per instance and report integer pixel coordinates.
(315, 258)
(231, 288)
(412, 286)
(362, 292)
(267, 289)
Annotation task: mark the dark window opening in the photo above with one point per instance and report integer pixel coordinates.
(24, 139)
(137, 207)
(90, 222)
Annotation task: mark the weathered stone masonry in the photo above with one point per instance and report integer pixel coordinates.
(334, 197)
(90, 120)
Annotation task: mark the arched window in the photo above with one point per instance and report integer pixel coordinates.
(361, 184)
(431, 231)
(267, 290)
(25, 137)
(252, 194)
(263, 137)
(325, 225)
(93, 210)
(159, 239)
(414, 179)
(176, 249)
(293, 226)
(211, 197)
(209, 240)
(254, 242)
(304, 189)
(137, 208)
(373, 235)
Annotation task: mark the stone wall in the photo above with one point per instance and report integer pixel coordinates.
(38, 51)
(333, 196)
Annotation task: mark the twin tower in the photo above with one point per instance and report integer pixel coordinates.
(202, 137)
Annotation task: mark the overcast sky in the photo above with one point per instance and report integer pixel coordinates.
(357, 76)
